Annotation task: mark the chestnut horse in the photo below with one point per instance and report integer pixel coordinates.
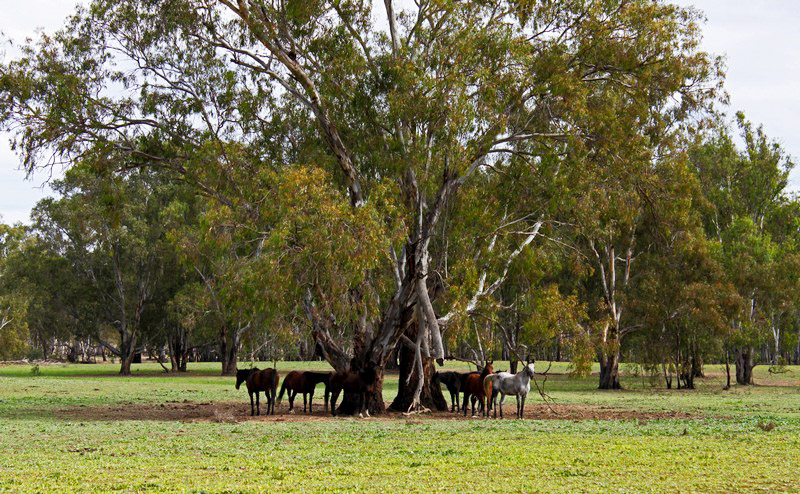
(473, 386)
(259, 380)
(305, 383)
(361, 382)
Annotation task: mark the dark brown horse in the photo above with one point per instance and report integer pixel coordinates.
(360, 382)
(473, 386)
(259, 380)
(305, 383)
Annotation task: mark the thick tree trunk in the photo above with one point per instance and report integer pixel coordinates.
(375, 404)
(127, 349)
(744, 366)
(609, 370)
(229, 350)
(230, 359)
(174, 346)
(431, 396)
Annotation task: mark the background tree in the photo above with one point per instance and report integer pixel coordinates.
(746, 190)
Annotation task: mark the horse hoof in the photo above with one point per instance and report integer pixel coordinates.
(361, 415)
(291, 411)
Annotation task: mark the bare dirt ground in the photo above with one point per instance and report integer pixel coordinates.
(230, 412)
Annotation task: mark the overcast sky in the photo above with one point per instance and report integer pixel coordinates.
(759, 38)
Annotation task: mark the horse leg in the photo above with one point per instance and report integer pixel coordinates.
(361, 405)
(311, 402)
(258, 405)
(252, 410)
(522, 407)
(464, 402)
(366, 404)
(502, 399)
(291, 394)
(272, 402)
(304, 403)
(334, 397)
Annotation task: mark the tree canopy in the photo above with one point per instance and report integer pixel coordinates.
(452, 178)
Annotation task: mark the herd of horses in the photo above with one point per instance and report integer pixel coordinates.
(474, 387)
(361, 382)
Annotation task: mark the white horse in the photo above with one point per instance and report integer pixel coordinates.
(518, 384)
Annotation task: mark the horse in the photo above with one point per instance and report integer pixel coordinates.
(259, 380)
(361, 382)
(473, 385)
(454, 382)
(518, 384)
(305, 383)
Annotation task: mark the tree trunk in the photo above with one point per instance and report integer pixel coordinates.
(127, 349)
(375, 404)
(744, 366)
(727, 366)
(230, 356)
(229, 350)
(431, 396)
(609, 370)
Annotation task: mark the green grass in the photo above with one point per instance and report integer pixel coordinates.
(44, 448)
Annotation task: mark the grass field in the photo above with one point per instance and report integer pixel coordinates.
(83, 428)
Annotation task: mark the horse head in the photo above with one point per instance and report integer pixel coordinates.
(529, 368)
(489, 369)
(241, 375)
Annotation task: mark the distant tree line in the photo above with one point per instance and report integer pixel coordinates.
(478, 180)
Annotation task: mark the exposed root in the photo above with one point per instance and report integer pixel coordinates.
(417, 410)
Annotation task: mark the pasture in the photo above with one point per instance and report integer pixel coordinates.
(83, 428)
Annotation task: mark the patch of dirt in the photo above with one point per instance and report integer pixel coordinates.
(233, 412)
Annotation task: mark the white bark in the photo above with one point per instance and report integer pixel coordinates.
(482, 290)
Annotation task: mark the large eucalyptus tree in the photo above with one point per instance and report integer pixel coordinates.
(403, 117)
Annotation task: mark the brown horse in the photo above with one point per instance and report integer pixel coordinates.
(361, 382)
(305, 383)
(259, 380)
(473, 385)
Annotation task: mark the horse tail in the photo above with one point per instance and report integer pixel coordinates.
(283, 389)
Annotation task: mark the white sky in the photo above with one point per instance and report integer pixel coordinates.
(759, 38)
